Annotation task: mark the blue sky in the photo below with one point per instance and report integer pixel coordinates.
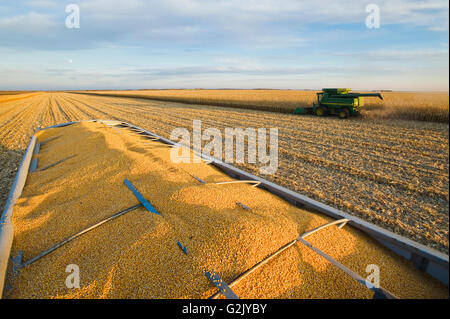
(290, 44)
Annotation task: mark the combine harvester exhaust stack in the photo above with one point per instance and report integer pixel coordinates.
(105, 196)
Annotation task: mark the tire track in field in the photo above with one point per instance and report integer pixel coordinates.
(79, 114)
(73, 113)
(65, 117)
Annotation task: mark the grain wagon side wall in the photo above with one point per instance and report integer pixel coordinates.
(6, 226)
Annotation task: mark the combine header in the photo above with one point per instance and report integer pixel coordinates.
(337, 101)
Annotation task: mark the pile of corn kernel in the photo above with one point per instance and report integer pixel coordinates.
(136, 255)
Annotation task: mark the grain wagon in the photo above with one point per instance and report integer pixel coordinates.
(104, 198)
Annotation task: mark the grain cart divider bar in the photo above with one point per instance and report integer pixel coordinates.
(255, 183)
(221, 285)
(199, 179)
(54, 247)
(379, 292)
(183, 248)
(340, 222)
(56, 163)
(49, 140)
(256, 266)
(243, 206)
(432, 261)
(141, 198)
(6, 226)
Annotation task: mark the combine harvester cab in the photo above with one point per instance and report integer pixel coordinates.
(106, 199)
(340, 102)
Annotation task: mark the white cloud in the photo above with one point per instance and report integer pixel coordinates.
(259, 22)
(44, 4)
(249, 12)
(29, 21)
(391, 54)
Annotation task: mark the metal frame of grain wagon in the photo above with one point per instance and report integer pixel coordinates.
(424, 258)
(6, 226)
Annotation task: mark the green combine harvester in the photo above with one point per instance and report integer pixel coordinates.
(337, 101)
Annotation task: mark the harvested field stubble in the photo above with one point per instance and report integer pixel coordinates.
(392, 173)
(432, 107)
(136, 255)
